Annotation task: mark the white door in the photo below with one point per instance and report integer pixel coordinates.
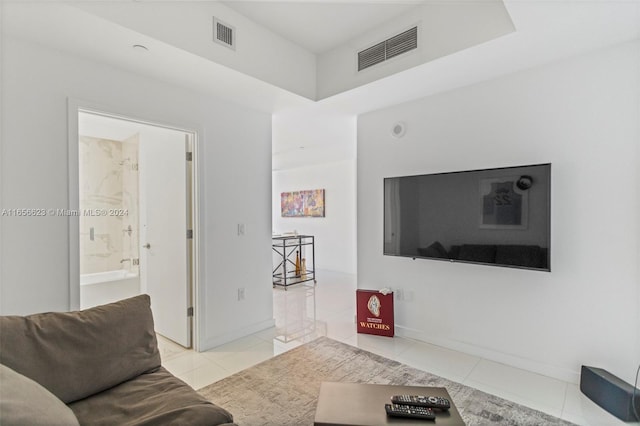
(164, 269)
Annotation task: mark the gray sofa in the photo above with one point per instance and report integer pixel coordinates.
(100, 366)
(529, 256)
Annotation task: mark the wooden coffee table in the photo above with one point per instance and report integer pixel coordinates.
(351, 404)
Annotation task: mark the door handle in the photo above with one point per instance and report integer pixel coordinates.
(147, 246)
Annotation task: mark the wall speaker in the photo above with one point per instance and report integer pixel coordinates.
(609, 392)
(398, 130)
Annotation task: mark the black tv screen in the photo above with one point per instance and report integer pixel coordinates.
(497, 217)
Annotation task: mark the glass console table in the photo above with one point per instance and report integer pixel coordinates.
(294, 260)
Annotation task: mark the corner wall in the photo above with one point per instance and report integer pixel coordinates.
(581, 115)
(235, 146)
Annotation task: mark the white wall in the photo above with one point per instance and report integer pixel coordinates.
(581, 115)
(335, 234)
(327, 161)
(235, 184)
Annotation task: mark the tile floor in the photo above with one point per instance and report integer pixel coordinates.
(332, 302)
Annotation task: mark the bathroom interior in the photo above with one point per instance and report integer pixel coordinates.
(109, 223)
(128, 169)
(132, 237)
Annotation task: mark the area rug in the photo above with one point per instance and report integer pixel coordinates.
(284, 390)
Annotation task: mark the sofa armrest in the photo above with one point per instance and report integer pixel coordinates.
(25, 402)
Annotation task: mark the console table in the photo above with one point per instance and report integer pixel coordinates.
(286, 247)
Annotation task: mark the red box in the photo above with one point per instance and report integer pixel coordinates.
(375, 312)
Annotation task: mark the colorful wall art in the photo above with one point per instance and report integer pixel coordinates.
(302, 203)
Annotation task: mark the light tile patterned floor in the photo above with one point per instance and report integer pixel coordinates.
(333, 301)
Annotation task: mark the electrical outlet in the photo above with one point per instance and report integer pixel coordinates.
(241, 293)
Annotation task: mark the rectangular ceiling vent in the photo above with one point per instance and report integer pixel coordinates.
(392, 47)
(224, 34)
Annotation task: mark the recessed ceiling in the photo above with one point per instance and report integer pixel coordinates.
(545, 31)
(321, 26)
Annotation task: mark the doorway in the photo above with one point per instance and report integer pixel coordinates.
(136, 208)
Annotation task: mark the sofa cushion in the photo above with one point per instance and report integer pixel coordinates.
(156, 398)
(77, 354)
(25, 402)
(484, 253)
(521, 255)
(454, 252)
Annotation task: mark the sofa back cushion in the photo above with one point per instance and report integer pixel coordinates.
(484, 253)
(521, 255)
(77, 354)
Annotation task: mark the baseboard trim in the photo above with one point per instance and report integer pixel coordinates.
(552, 371)
(232, 335)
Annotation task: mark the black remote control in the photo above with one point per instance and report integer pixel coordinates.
(412, 412)
(436, 402)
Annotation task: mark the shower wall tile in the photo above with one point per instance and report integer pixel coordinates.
(102, 166)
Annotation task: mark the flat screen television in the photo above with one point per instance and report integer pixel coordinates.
(497, 217)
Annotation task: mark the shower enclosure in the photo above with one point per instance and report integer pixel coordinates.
(109, 225)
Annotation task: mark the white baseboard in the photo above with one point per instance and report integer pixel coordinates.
(553, 371)
(232, 335)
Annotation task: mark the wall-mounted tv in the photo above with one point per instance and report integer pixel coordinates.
(497, 217)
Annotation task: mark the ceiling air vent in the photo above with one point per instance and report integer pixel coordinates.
(371, 56)
(402, 43)
(388, 49)
(224, 34)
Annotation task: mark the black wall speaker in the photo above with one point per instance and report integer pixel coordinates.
(610, 392)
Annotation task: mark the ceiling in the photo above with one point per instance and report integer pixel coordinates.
(321, 26)
(546, 31)
(105, 127)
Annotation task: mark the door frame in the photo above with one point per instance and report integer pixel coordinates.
(74, 106)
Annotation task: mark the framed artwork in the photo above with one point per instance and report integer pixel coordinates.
(504, 204)
(302, 203)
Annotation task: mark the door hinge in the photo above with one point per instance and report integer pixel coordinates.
(189, 156)
(190, 311)
(189, 234)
